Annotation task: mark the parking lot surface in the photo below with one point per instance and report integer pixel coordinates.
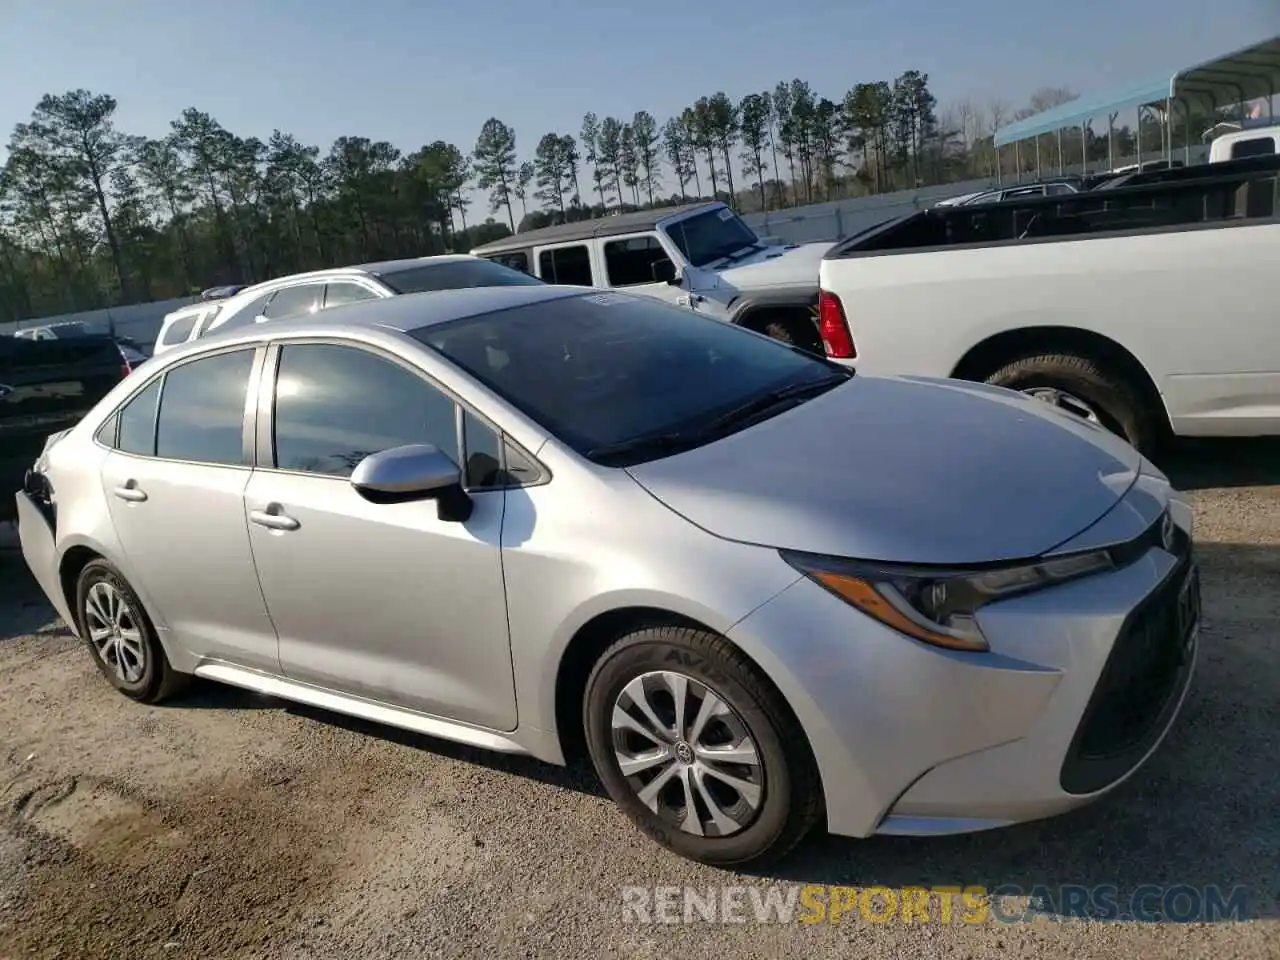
(230, 825)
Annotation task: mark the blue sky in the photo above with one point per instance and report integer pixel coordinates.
(415, 72)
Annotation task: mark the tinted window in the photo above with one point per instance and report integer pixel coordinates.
(180, 329)
(106, 434)
(1058, 189)
(631, 261)
(294, 301)
(571, 265)
(246, 314)
(202, 409)
(1255, 147)
(484, 452)
(516, 260)
(138, 422)
(455, 275)
(336, 294)
(597, 370)
(335, 405)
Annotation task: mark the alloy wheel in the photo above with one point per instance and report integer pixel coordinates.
(688, 756)
(114, 632)
(1064, 401)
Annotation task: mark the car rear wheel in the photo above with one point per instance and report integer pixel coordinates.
(120, 637)
(698, 749)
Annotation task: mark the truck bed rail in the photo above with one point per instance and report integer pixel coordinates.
(1209, 195)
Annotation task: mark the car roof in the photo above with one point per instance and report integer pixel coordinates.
(635, 222)
(408, 312)
(373, 269)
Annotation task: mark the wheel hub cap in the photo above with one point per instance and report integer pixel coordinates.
(688, 756)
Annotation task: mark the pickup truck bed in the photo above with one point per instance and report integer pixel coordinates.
(1148, 308)
(47, 386)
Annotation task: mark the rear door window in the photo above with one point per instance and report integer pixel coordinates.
(569, 265)
(202, 404)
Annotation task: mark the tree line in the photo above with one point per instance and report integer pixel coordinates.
(91, 216)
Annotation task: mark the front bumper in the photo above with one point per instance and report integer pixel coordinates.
(911, 739)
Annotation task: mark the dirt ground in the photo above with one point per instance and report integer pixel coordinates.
(229, 825)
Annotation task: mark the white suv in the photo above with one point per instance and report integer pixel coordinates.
(303, 294)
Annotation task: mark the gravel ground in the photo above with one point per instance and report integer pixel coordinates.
(230, 825)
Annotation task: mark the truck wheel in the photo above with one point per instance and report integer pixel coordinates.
(796, 331)
(1088, 389)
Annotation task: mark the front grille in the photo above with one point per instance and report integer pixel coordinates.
(1139, 686)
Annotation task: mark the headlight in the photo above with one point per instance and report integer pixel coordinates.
(938, 606)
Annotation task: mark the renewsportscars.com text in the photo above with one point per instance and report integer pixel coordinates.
(816, 904)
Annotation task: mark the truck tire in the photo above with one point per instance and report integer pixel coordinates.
(1085, 386)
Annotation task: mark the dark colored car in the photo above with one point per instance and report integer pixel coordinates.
(47, 386)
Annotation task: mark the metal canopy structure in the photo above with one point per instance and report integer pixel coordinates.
(1248, 74)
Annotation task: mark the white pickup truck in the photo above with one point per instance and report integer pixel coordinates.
(1149, 308)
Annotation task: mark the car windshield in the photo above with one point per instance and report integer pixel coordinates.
(606, 373)
(709, 236)
(454, 275)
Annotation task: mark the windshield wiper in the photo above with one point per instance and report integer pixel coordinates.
(666, 442)
(764, 402)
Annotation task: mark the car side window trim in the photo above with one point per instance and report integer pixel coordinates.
(263, 444)
(248, 425)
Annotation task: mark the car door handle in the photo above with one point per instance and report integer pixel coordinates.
(130, 492)
(273, 521)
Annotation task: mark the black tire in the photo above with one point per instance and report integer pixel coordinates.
(791, 796)
(158, 680)
(1120, 405)
(796, 331)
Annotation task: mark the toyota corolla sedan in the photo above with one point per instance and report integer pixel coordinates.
(758, 590)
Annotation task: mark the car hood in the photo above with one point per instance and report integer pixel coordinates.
(775, 266)
(903, 469)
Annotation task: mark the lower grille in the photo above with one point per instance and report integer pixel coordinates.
(1139, 687)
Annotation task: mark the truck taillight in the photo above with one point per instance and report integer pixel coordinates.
(833, 327)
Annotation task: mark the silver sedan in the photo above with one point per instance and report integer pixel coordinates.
(757, 590)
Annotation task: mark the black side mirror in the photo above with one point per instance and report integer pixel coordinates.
(664, 271)
(416, 471)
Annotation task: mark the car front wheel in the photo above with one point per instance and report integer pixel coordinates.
(698, 749)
